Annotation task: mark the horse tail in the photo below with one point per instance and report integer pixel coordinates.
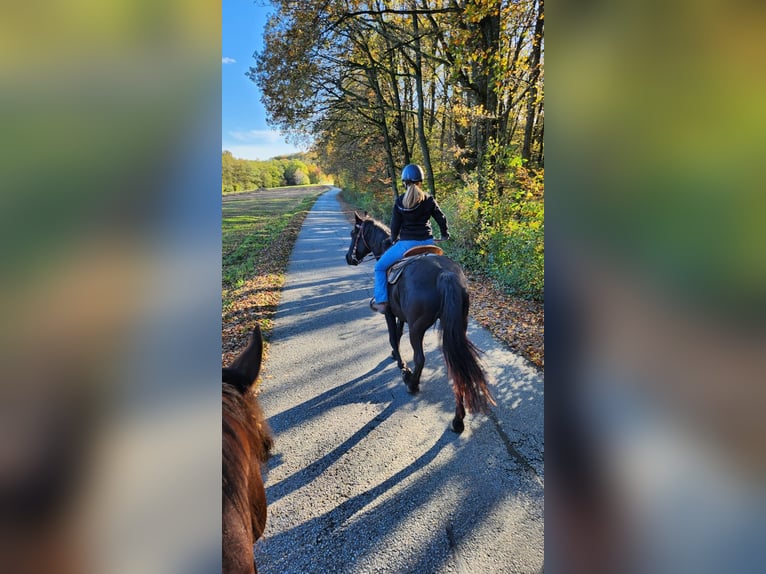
(460, 355)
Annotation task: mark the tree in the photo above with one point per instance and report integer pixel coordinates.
(533, 106)
(379, 79)
(296, 173)
(242, 174)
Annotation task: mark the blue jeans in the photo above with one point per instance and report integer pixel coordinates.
(391, 256)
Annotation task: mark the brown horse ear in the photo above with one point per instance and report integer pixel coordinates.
(243, 372)
(358, 218)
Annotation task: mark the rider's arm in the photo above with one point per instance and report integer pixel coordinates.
(396, 223)
(441, 219)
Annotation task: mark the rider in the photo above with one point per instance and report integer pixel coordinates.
(410, 226)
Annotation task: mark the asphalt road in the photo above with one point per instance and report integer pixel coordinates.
(367, 478)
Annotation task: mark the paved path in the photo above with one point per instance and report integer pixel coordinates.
(367, 478)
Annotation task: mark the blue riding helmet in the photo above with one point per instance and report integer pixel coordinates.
(412, 173)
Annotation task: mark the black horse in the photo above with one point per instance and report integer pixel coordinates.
(430, 288)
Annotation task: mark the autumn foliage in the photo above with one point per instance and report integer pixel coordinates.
(455, 86)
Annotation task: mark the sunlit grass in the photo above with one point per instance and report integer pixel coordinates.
(258, 233)
(249, 225)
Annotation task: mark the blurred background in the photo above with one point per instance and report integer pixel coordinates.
(655, 287)
(110, 286)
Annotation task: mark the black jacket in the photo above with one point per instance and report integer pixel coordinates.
(414, 223)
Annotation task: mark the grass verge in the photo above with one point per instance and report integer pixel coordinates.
(258, 232)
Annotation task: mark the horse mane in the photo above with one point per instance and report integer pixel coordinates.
(381, 232)
(380, 225)
(246, 434)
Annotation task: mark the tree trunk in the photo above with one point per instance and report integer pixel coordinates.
(432, 102)
(386, 136)
(526, 148)
(373, 78)
(421, 108)
(540, 154)
(399, 124)
(487, 126)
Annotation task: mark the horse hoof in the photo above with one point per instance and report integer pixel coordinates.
(457, 426)
(413, 389)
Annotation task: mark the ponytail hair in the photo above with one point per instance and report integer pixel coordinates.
(413, 195)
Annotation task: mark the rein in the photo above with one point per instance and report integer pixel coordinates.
(360, 233)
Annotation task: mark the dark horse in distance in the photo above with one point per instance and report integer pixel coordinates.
(247, 442)
(429, 288)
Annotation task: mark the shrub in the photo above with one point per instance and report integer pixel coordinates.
(507, 244)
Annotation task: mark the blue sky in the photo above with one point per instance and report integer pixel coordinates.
(245, 132)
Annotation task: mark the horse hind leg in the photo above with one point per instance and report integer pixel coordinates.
(416, 340)
(399, 331)
(395, 328)
(457, 422)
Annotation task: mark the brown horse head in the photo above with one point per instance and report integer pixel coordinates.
(247, 442)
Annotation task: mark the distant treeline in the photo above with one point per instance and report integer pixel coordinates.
(244, 174)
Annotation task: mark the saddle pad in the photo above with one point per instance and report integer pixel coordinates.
(395, 271)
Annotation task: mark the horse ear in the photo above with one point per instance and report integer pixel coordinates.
(365, 214)
(243, 372)
(358, 217)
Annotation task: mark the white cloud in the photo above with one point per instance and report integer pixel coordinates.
(227, 60)
(257, 136)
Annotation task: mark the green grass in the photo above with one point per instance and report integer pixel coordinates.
(283, 188)
(250, 223)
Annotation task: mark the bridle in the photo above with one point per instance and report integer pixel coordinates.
(360, 233)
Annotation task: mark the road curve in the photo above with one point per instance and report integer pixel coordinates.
(367, 478)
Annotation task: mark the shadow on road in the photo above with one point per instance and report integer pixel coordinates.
(368, 478)
(360, 389)
(325, 530)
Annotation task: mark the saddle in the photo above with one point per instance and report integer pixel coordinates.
(412, 254)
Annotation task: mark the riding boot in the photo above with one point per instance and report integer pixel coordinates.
(379, 307)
